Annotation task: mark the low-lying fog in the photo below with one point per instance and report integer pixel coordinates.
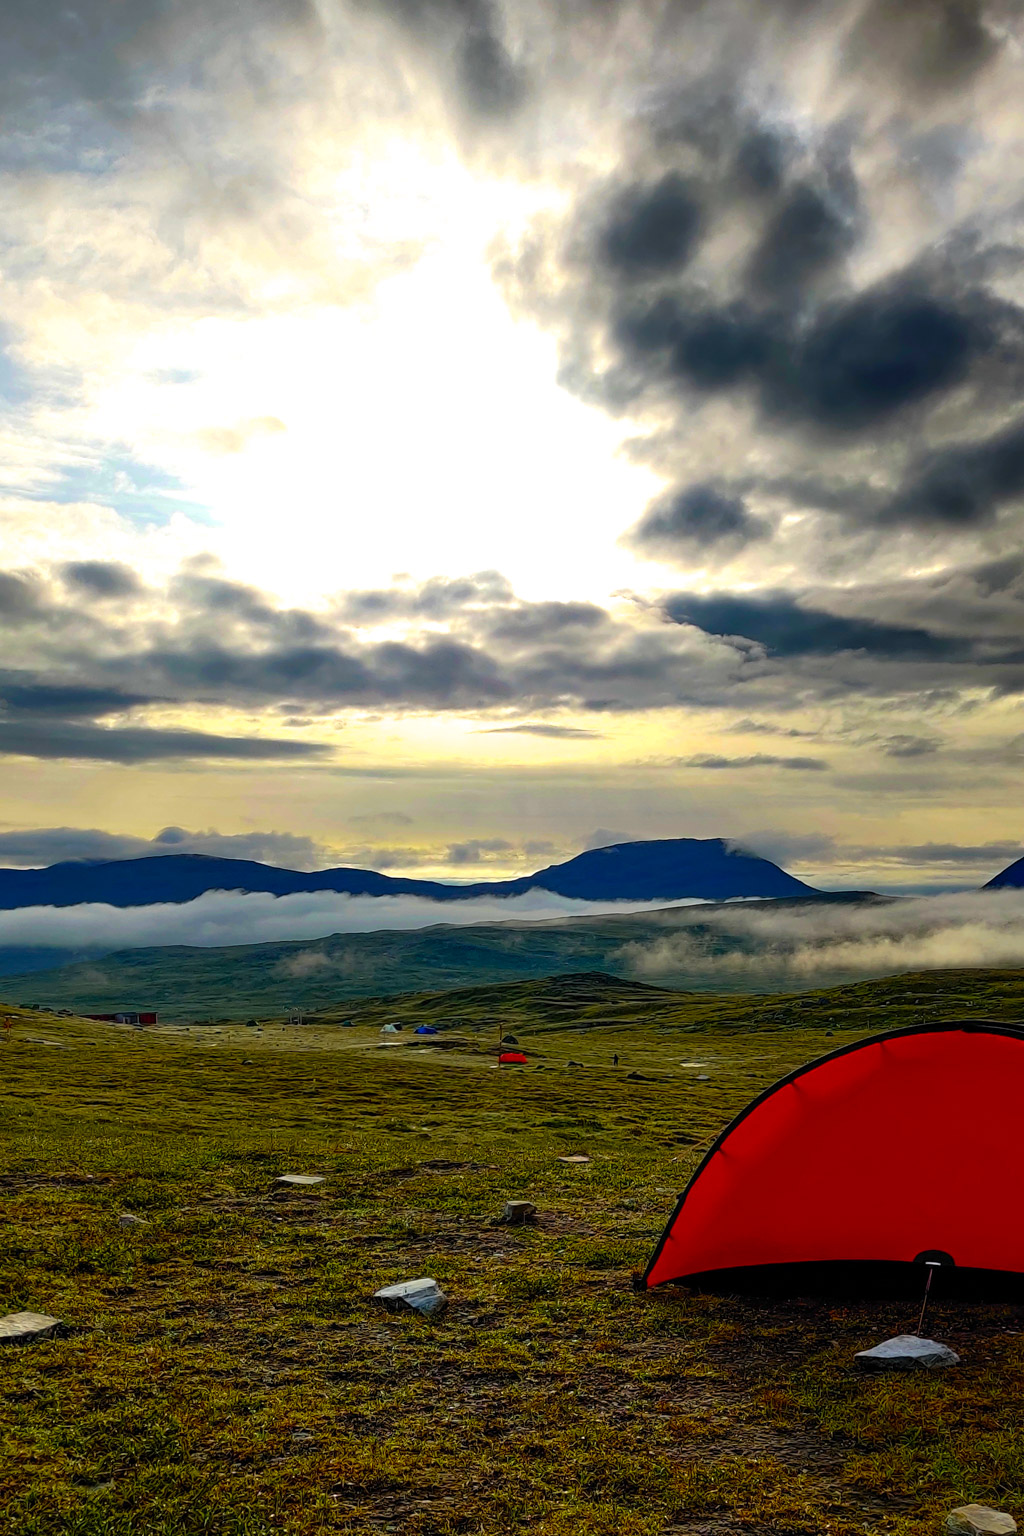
(738, 945)
(805, 943)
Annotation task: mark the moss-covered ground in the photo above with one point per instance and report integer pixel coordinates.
(223, 1369)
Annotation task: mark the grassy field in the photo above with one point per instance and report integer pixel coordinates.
(223, 1369)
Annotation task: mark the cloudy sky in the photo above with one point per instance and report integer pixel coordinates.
(443, 436)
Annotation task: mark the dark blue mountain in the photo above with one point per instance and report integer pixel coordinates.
(665, 870)
(1011, 878)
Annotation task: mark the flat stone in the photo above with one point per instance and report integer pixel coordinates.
(979, 1520)
(424, 1296)
(906, 1353)
(301, 1179)
(128, 1219)
(573, 1157)
(24, 1327)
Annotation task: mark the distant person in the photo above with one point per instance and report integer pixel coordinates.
(615, 1061)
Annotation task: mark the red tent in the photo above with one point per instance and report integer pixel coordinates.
(902, 1147)
(512, 1059)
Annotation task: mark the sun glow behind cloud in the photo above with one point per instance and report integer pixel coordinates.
(416, 425)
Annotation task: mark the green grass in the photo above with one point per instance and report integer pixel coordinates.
(224, 1369)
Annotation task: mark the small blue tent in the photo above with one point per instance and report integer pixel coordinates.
(426, 1029)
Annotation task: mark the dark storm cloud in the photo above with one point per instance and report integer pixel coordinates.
(19, 598)
(698, 516)
(530, 623)
(137, 744)
(964, 485)
(439, 597)
(755, 760)
(210, 644)
(710, 348)
(860, 361)
(810, 230)
(475, 850)
(825, 284)
(102, 578)
(787, 628)
(553, 732)
(866, 358)
(437, 671)
(650, 231)
(32, 847)
(767, 728)
(905, 744)
(70, 701)
(999, 853)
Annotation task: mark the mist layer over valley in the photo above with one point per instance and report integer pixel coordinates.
(729, 947)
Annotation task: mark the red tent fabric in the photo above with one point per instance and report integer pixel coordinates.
(512, 1058)
(899, 1145)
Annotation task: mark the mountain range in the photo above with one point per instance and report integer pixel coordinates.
(668, 869)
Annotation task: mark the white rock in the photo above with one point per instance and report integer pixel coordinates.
(23, 1327)
(423, 1296)
(302, 1179)
(127, 1219)
(518, 1212)
(574, 1157)
(979, 1520)
(906, 1353)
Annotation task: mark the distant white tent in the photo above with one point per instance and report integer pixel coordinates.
(389, 1029)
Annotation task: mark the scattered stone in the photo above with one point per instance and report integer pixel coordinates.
(129, 1219)
(574, 1157)
(25, 1327)
(517, 1213)
(979, 1520)
(637, 1077)
(906, 1353)
(424, 1296)
(301, 1179)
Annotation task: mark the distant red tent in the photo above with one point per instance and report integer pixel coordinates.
(512, 1059)
(902, 1147)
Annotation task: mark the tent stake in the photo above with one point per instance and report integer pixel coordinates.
(932, 1265)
